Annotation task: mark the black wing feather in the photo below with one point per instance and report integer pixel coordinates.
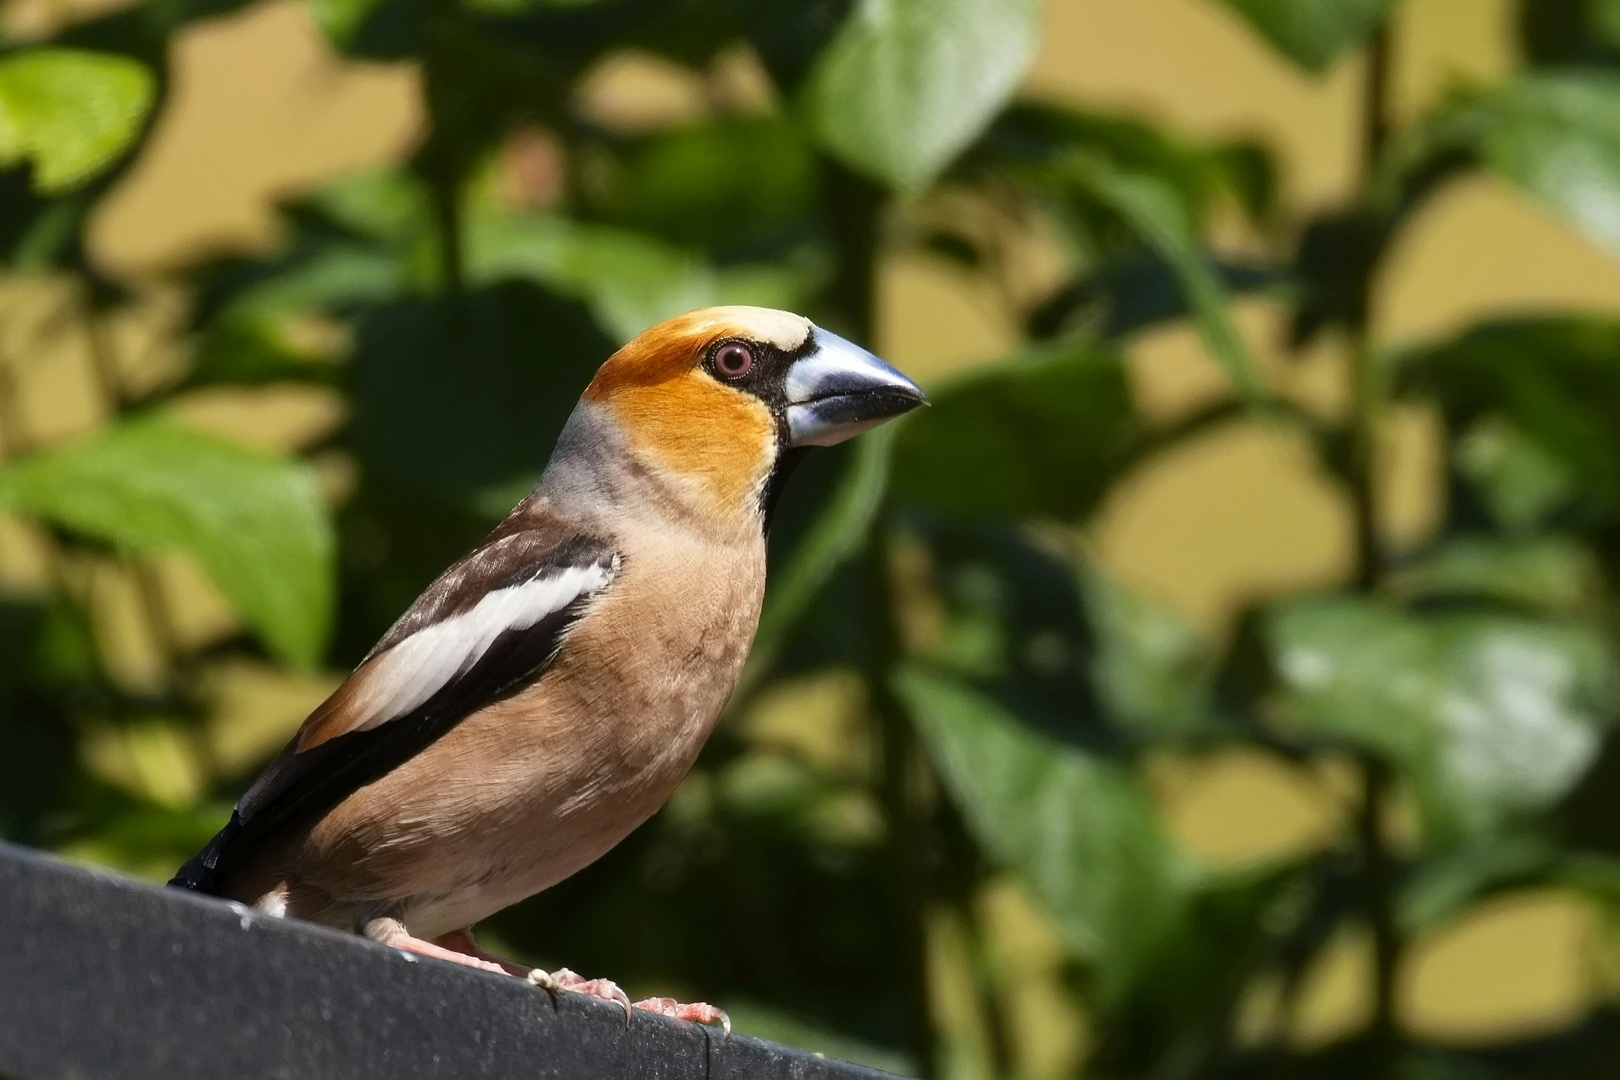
(299, 786)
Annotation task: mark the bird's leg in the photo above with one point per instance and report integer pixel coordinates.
(698, 1012)
(392, 932)
(458, 947)
(461, 941)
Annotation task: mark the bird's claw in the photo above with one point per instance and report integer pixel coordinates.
(698, 1012)
(606, 990)
(563, 979)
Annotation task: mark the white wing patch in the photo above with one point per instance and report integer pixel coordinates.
(422, 664)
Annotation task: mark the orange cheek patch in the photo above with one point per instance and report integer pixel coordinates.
(693, 426)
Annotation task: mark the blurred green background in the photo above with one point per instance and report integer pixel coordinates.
(1219, 680)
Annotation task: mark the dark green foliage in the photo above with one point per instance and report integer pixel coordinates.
(464, 396)
(992, 445)
(1000, 697)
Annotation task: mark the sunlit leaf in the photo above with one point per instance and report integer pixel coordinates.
(1553, 135)
(1079, 830)
(1313, 33)
(1558, 138)
(257, 524)
(70, 112)
(907, 84)
(1040, 436)
(1494, 717)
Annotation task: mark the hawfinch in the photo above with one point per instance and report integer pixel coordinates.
(548, 692)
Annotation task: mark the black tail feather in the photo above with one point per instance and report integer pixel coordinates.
(200, 873)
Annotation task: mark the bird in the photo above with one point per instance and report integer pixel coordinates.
(546, 694)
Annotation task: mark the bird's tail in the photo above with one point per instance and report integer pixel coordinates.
(201, 871)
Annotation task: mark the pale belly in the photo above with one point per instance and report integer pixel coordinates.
(526, 792)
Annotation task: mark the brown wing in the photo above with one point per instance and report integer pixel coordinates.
(489, 625)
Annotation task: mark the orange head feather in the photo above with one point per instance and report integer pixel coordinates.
(683, 419)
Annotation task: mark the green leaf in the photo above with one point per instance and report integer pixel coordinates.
(1150, 667)
(1493, 717)
(1170, 226)
(387, 204)
(342, 20)
(726, 185)
(464, 396)
(1313, 33)
(837, 533)
(1553, 382)
(1558, 138)
(1011, 619)
(1442, 889)
(1513, 476)
(258, 525)
(629, 280)
(1553, 135)
(1545, 573)
(1039, 436)
(245, 350)
(1039, 139)
(1078, 829)
(333, 277)
(906, 85)
(70, 112)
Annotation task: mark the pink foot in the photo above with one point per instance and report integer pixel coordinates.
(392, 932)
(461, 941)
(697, 1011)
(563, 979)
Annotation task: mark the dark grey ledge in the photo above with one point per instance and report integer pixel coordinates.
(101, 977)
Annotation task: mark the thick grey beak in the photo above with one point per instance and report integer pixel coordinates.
(839, 390)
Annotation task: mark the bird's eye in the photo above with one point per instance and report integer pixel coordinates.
(733, 360)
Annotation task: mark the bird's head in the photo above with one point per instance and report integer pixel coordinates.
(723, 397)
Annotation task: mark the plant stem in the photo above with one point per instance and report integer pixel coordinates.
(1366, 389)
(447, 214)
(440, 161)
(855, 204)
(103, 358)
(1378, 874)
(905, 807)
(1367, 392)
